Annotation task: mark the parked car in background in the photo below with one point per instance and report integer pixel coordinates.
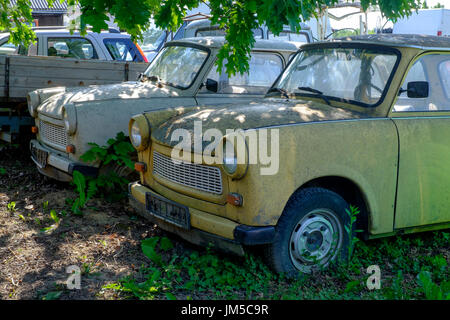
(435, 22)
(59, 59)
(182, 75)
(363, 122)
(203, 28)
(58, 42)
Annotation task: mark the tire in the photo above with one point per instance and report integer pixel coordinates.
(310, 234)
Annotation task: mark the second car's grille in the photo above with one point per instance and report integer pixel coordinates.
(197, 176)
(53, 133)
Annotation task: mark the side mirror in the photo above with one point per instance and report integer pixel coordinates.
(418, 89)
(211, 85)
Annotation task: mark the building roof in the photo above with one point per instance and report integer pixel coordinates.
(41, 6)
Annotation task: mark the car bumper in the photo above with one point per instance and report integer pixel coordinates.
(206, 228)
(56, 166)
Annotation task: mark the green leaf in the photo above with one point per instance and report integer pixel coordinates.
(54, 216)
(52, 295)
(148, 248)
(170, 296)
(166, 244)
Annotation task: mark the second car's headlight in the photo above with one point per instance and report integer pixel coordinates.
(70, 118)
(139, 131)
(33, 102)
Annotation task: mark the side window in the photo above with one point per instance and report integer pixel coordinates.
(264, 69)
(435, 70)
(444, 74)
(122, 49)
(78, 48)
(290, 36)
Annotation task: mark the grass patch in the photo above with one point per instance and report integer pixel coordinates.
(411, 267)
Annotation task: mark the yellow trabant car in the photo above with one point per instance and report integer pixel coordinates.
(361, 123)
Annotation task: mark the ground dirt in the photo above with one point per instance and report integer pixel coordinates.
(104, 243)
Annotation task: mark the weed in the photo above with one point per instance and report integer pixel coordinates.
(205, 274)
(11, 206)
(431, 290)
(118, 152)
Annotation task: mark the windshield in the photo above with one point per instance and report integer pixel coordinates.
(177, 66)
(345, 74)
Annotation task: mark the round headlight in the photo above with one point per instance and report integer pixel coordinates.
(235, 156)
(69, 116)
(135, 135)
(139, 131)
(33, 102)
(66, 120)
(229, 158)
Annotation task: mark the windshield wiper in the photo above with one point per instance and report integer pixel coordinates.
(317, 92)
(280, 90)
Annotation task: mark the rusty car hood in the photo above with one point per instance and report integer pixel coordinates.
(266, 112)
(52, 106)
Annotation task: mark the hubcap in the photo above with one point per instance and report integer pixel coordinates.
(315, 240)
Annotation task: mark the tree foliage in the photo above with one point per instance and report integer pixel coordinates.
(238, 17)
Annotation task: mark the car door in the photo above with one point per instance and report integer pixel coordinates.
(264, 69)
(423, 124)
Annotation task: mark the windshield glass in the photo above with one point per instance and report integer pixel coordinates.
(177, 66)
(345, 74)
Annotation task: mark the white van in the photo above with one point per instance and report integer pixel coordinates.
(435, 22)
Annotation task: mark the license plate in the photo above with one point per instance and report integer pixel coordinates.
(39, 156)
(168, 210)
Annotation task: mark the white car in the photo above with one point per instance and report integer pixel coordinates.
(59, 42)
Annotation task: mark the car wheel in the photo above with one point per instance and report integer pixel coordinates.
(310, 234)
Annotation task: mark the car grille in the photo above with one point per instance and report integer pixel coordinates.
(196, 176)
(53, 133)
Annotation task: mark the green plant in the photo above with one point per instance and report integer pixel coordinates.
(85, 192)
(2, 171)
(350, 229)
(117, 150)
(11, 206)
(117, 153)
(431, 290)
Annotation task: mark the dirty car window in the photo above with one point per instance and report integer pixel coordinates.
(177, 65)
(349, 74)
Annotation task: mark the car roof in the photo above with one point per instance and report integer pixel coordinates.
(63, 31)
(400, 40)
(218, 42)
(207, 23)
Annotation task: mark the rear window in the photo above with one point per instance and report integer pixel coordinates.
(123, 50)
(290, 36)
(77, 48)
(214, 31)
